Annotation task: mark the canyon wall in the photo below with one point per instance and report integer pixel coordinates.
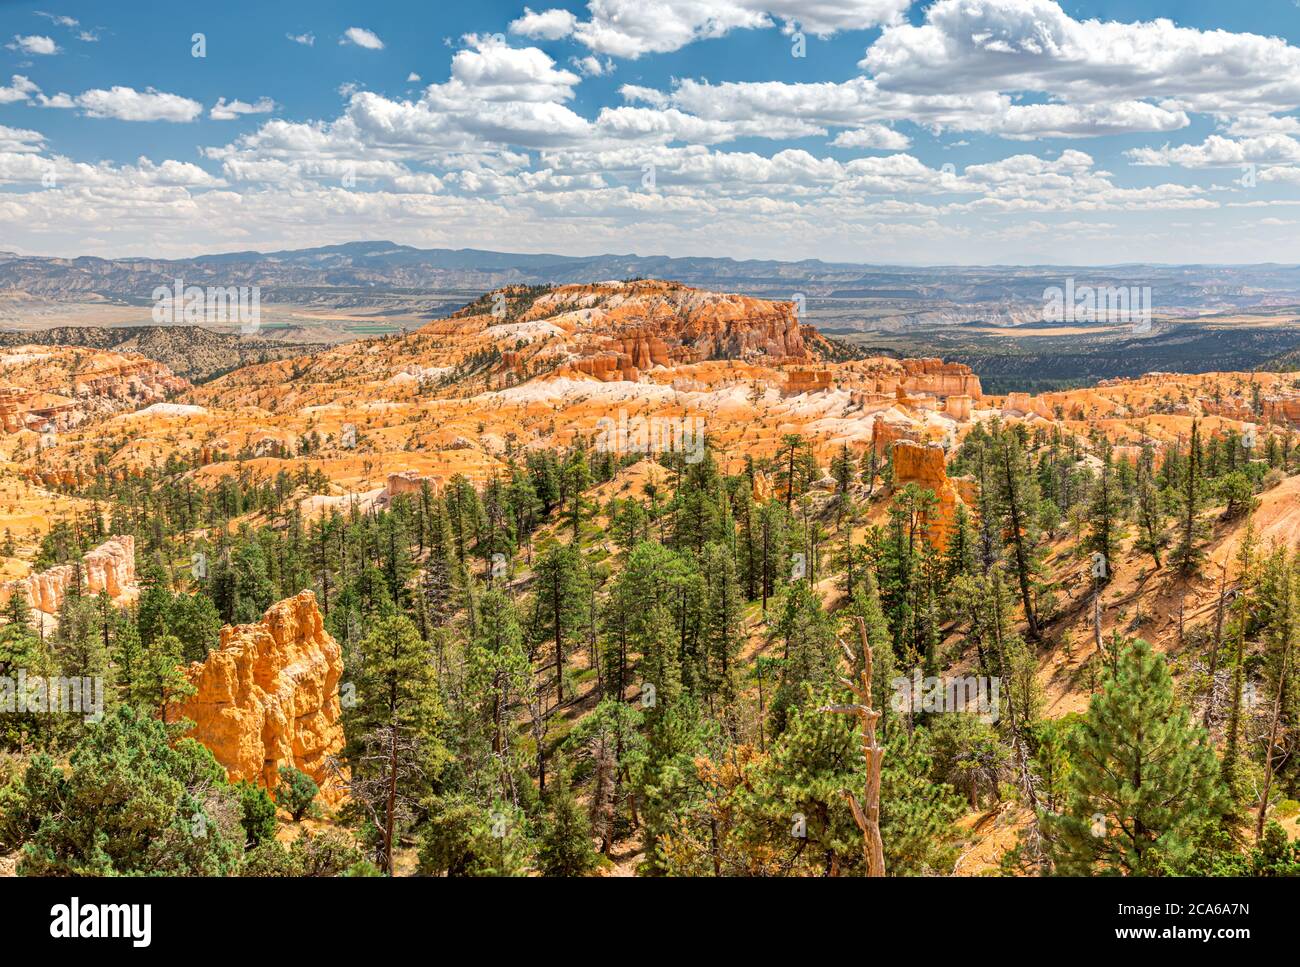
(1279, 410)
(883, 376)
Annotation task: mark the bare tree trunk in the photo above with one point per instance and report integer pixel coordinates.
(866, 816)
(1096, 617)
(391, 811)
(1272, 741)
(1218, 645)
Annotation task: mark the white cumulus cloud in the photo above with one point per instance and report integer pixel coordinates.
(128, 104)
(361, 37)
(225, 110)
(547, 25)
(34, 44)
(876, 136)
(18, 89)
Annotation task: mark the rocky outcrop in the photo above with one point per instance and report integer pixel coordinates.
(923, 465)
(144, 381)
(641, 325)
(959, 407)
(51, 388)
(268, 696)
(885, 434)
(1280, 410)
(937, 378)
(13, 408)
(882, 376)
(109, 568)
(801, 380)
(408, 482)
(1026, 404)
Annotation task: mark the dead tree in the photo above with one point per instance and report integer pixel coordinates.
(1217, 645)
(386, 756)
(1269, 764)
(866, 813)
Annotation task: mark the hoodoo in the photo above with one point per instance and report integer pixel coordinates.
(268, 696)
(923, 465)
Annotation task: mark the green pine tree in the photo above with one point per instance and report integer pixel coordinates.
(1142, 777)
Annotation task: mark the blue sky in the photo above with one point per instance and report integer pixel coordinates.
(957, 131)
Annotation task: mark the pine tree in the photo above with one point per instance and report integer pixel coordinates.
(559, 605)
(916, 813)
(792, 477)
(810, 655)
(1151, 514)
(194, 620)
(296, 792)
(565, 848)
(1187, 554)
(866, 605)
(959, 556)
(722, 622)
(161, 681)
(1277, 603)
(1018, 494)
(392, 730)
(395, 553)
(440, 567)
(576, 477)
(135, 801)
(1142, 777)
(1243, 616)
(1104, 519)
(128, 656)
(842, 470)
(500, 676)
(870, 469)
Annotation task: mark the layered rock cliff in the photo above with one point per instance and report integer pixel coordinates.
(882, 376)
(539, 367)
(109, 567)
(54, 388)
(268, 696)
(649, 324)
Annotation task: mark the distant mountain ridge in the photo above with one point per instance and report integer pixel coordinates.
(345, 272)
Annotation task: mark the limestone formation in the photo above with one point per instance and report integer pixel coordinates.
(801, 380)
(903, 378)
(1279, 410)
(462, 395)
(268, 696)
(109, 567)
(56, 389)
(643, 325)
(959, 407)
(923, 465)
(409, 482)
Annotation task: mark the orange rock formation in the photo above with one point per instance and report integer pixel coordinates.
(58, 388)
(649, 324)
(904, 377)
(268, 696)
(526, 368)
(923, 465)
(109, 567)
